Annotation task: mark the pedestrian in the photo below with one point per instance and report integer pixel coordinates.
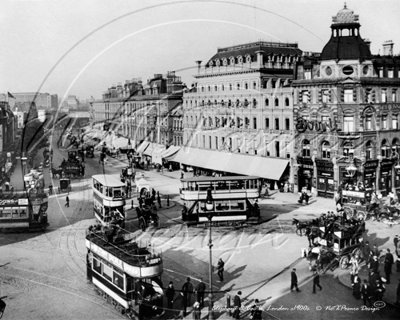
(220, 269)
(256, 311)
(153, 194)
(366, 251)
(170, 294)
(375, 251)
(158, 199)
(379, 289)
(366, 293)
(7, 185)
(356, 286)
(196, 311)
(395, 242)
(237, 304)
(294, 281)
(187, 290)
(50, 188)
(398, 293)
(67, 201)
(388, 265)
(316, 281)
(375, 264)
(200, 290)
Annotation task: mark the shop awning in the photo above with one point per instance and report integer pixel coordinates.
(268, 168)
(156, 156)
(143, 146)
(170, 152)
(149, 149)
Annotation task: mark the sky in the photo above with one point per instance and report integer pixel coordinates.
(82, 47)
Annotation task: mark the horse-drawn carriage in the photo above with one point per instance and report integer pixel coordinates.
(339, 242)
(147, 217)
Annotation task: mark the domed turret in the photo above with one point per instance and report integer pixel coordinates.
(345, 42)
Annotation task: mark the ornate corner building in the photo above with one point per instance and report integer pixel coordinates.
(346, 113)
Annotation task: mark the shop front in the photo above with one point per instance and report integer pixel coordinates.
(385, 178)
(370, 174)
(325, 178)
(397, 180)
(305, 173)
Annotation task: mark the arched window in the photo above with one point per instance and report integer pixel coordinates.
(254, 103)
(209, 88)
(222, 103)
(254, 85)
(215, 88)
(240, 59)
(222, 87)
(246, 86)
(232, 61)
(237, 103)
(306, 148)
(229, 103)
(385, 149)
(246, 103)
(395, 148)
(287, 102)
(238, 86)
(230, 86)
(276, 102)
(326, 150)
(368, 150)
(266, 102)
(348, 149)
(225, 62)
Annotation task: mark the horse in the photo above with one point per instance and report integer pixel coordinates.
(312, 233)
(300, 225)
(56, 173)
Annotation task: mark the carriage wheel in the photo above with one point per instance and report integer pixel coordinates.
(349, 212)
(359, 253)
(344, 262)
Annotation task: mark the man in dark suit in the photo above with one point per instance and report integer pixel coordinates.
(316, 281)
(200, 289)
(237, 304)
(294, 281)
(388, 265)
(187, 290)
(375, 264)
(366, 293)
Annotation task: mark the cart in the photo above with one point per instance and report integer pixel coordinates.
(339, 243)
(65, 185)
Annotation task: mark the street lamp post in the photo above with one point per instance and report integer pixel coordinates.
(210, 210)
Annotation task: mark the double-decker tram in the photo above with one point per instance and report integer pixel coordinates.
(234, 198)
(109, 196)
(125, 272)
(23, 210)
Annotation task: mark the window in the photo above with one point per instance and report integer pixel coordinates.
(394, 96)
(305, 96)
(325, 119)
(325, 96)
(307, 74)
(107, 272)
(326, 150)
(368, 150)
(222, 87)
(118, 280)
(209, 142)
(348, 149)
(254, 103)
(276, 123)
(277, 148)
(287, 124)
(306, 148)
(380, 70)
(276, 102)
(384, 122)
(395, 121)
(368, 122)
(96, 265)
(209, 88)
(254, 123)
(238, 86)
(384, 95)
(395, 147)
(230, 86)
(348, 95)
(266, 123)
(385, 149)
(204, 142)
(390, 73)
(216, 143)
(266, 102)
(348, 124)
(287, 102)
(215, 88)
(254, 85)
(246, 86)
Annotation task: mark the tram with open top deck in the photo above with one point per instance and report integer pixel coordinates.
(125, 272)
(235, 198)
(109, 195)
